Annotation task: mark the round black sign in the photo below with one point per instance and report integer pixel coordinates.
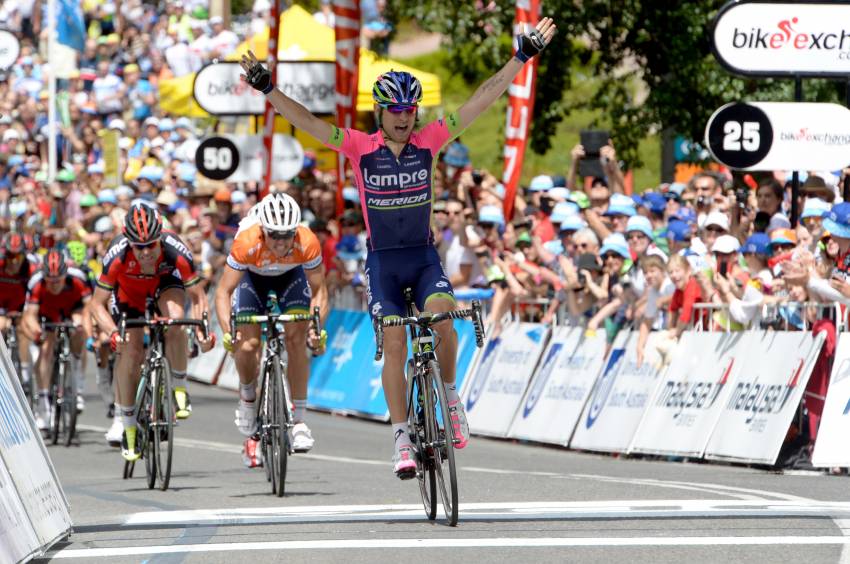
(740, 135)
(217, 158)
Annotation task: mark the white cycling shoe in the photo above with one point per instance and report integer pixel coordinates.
(246, 417)
(115, 432)
(302, 438)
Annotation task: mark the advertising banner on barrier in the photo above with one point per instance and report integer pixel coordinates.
(496, 387)
(17, 539)
(621, 395)
(560, 387)
(765, 396)
(831, 448)
(695, 387)
(25, 459)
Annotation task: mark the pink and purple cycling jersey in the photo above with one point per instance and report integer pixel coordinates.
(395, 193)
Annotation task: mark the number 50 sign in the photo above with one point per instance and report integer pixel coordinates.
(780, 136)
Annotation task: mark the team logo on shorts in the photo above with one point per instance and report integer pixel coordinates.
(376, 309)
(442, 284)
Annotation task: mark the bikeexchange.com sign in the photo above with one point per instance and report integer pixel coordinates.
(782, 39)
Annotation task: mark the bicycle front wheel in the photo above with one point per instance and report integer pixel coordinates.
(69, 404)
(163, 436)
(144, 417)
(280, 427)
(444, 457)
(425, 473)
(57, 389)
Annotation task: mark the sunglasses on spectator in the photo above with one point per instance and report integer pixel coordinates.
(280, 235)
(715, 229)
(400, 108)
(583, 245)
(596, 202)
(607, 256)
(783, 246)
(636, 235)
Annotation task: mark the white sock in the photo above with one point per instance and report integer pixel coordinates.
(300, 410)
(26, 372)
(400, 434)
(76, 368)
(179, 379)
(451, 392)
(128, 418)
(248, 392)
(44, 400)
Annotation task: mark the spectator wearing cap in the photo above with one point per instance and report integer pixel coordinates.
(616, 263)
(109, 91)
(715, 224)
(456, 159)
(659, 292)
(756, 252)
(815, 186)
(813, 211)
(617, 214)
(732, 287)
(29, 82)
(228, 222)
(222, 42)
(782, 241)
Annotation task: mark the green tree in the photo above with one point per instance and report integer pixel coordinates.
(651, 59)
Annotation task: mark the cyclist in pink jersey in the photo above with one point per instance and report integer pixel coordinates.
(393, 170)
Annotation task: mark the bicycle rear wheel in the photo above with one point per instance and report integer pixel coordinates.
(425, 474)
(280, 427)
(163, 423)
(69, 403)
(444, 455)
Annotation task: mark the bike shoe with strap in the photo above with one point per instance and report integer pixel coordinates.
(81, 403)
(184, 404)
(129, 448)
(115, 433)
(42, 417)
(404, 461)
(252, 454)
(459, 423)
(246, 417)
(302, 438)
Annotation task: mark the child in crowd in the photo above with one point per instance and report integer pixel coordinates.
(659, 294)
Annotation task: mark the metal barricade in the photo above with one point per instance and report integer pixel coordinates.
(769, 316)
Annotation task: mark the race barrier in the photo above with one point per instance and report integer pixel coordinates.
(34, 512)
(723, 396)
(831, 447)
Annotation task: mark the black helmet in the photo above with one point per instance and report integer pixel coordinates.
(142, 224)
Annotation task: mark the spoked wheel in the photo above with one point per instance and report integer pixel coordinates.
(144, 415)
(280, 427)
(444, 456)
(267, 416)
(425, 474)
(57, 390)
(69, 404)
(163, 422)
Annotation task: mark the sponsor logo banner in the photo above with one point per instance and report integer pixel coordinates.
(831, 446)
(623, 392)
(764, 397)
(497, 385)
(347, 65)
(560, 387)
(685, 408)
(777, 39)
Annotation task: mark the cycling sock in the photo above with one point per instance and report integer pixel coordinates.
(400, 434)
(127, 415)
(300, 410)
(179, 378)
(76, 368)
(248, 392)
(44, 399)
(26, 372)
(451, 392)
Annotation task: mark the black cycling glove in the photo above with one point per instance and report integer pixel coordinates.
(259, 78)
(529, 46)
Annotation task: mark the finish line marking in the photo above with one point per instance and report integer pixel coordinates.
(449, 543)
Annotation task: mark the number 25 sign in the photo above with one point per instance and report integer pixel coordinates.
(780, 136)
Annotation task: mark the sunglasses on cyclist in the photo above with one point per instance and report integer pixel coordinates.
(147, 245)
(400, 108)
(280, 235)
(54, 279)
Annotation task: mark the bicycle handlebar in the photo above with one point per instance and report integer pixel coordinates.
(52, 326)
(125, 323)
(423, 321)
(284, 318)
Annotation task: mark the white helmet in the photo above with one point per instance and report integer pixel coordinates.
(278, 212)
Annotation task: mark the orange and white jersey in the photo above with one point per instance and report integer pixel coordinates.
(249, 252)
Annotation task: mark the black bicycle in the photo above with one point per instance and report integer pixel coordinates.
(63, 383)
(427, 407)
(12, 343)
(155, 411)
(274, 413)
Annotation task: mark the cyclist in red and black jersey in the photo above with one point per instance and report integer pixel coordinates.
(56, 293)
(17, 266)
(146, 263)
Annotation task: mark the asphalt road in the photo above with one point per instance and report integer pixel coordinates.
(518, 501)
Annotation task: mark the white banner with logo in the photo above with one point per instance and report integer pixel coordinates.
(695, 387)
(494, 390)
(560, 387)
(784, 38)
(219, 90)
(765, 396)
(621, 395)
(28, 475)
(832, 447)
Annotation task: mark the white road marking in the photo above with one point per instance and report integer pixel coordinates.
(519, 511)
(365, 544)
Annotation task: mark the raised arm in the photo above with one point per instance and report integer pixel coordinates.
(529, 46)
(260, 79)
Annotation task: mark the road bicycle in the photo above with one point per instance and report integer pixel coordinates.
(63, 383)
(427, 407)
(155, 413)
(13, 345)
(274, 413)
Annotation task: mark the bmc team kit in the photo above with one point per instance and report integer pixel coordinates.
(274, 414)
(428, 417)
(155, 411)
